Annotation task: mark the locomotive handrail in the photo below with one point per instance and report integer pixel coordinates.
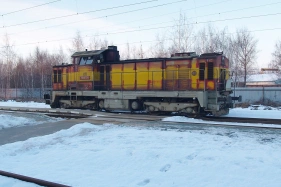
(171, 80)
(219, 77)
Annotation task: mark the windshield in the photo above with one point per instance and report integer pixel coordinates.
(86, 60)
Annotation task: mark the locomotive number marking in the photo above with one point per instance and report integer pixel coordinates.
(84, 77)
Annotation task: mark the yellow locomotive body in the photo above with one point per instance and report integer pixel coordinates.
(185, 83)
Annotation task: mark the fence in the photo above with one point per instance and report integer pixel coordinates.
(23, 93)
(250, 95)
(262, 95)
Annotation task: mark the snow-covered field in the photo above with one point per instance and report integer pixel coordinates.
(259, 112)
(8, 120)
(122, 155)
(24, 104)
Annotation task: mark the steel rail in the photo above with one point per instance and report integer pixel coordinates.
(50, 112)
(31, 179)
(228, 125)
(216, 122)
(242, 120)
(68, 113)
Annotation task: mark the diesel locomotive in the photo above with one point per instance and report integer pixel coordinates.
(184, 83)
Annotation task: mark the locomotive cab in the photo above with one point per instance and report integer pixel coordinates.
(214, 71)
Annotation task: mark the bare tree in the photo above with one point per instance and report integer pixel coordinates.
(181, 36)
(159, 49)
(77, 43)
(133, 52)
(98, 43)
(8, 55)
(140, 52)
(276, 57)
(104, 43)
(95, 43)
(209, 40)
(202, 41)
(2, 79)
(126, 54)
(19, 77)
(62, 58)
(245, 52)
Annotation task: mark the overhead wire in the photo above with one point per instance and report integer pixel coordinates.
(210, 14)
(29, 8)
(69, 15)
(231, 33)
(150, 41)
(63, 39)
(167, 14)
(120, 13)
(164, 27)
(153, 28)
(123, 22)
(116, 24)
(196, 16)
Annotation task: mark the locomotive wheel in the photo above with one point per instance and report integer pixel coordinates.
(101, 104)
(135, 105)
(65, 106)
(150, 109)
(95, 107)
(90, 106)
(53, 106)
(62, 105)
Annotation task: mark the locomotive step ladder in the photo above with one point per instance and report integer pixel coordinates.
(73, 94)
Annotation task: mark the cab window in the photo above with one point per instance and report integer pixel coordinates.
(201, 71)
(57, 76)
(210, 71)
(86, 61)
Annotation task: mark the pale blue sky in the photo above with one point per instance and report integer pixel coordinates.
(27, 36)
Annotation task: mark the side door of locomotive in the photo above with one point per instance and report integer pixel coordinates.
(105, 77)
(201, 77)
(206, 74)
(223, 74)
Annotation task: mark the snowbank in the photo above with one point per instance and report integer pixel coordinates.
(24, 104)
(110, 155)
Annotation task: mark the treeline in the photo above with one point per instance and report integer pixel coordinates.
(34, 71)
(27, 73)
(239, 46)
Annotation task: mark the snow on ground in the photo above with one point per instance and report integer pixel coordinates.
(258, 111)
(24, 104)
(10, 182)
(183, 119)
(149, 155)
(263, 77)
(8, 120)
(111, 155)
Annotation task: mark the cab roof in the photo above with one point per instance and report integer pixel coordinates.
(88, 53)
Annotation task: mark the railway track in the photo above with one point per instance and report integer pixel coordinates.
(245, 126)
(31, 179)
(63, 113)
(242, 120)
(206, 118)
(118, 116)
